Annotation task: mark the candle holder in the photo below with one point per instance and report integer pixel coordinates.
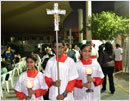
(29, 86)
(89, 71)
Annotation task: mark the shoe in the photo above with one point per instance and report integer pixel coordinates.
(103, 90)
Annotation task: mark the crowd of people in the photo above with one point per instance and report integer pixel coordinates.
(73, 84)
(8, 59)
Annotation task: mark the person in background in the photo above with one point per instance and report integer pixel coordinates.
(66, 49)
(118, 57)
(101, 47)
(77, 54)
(45, 59)
(16, 58)
(67, 75)
(38, 57)
(107, 63)
(8, 65)
(94, 54)
(96, 78)
(8, 53)
(3, 68)
(47, 50)
(37, 80)
(72, 53)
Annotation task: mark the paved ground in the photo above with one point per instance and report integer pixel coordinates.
(121, 80)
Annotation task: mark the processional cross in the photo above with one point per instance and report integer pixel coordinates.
(56, 13)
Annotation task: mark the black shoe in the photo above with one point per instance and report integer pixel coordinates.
(103, 90)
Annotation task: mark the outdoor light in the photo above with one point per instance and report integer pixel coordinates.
(89, 71)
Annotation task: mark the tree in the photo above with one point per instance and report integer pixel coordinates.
(107, 25)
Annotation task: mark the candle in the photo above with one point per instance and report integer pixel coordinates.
(88, 69)
(29, 84)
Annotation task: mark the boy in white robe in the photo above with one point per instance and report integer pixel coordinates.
(39, 86)
(67, 75)
(82, 82)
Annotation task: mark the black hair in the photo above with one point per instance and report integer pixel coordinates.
(32, 57)
(100, 48)
(108, 47)
(8, 47)
(59, 41)
(85, 45)
(67, 45)
(73, 45)
(117, 45)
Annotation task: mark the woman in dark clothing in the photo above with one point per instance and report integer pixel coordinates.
(8, 53)
(100, 51)
(107, 64)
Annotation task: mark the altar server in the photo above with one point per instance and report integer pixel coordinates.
(37, 86)
(67, 75)
(84, 82)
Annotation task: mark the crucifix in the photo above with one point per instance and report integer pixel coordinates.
(56, 13)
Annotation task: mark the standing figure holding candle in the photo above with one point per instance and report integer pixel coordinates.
(67, 74)
(90, 77)
(30, 84)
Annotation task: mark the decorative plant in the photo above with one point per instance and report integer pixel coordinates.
(107, 25)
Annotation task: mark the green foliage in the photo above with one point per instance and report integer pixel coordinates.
(107, 25)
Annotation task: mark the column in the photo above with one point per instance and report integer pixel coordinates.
(88, 17)
(80, 18)
(70, 36)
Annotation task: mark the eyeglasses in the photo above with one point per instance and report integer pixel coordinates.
(60, 47)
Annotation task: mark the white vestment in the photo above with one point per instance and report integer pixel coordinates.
(39, 83)
(67, 73)
(81, 94)
(118, 52)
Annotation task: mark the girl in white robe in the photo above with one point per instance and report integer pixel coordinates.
(82, 82)
(39, 86)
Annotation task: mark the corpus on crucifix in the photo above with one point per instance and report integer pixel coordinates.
(56, 13)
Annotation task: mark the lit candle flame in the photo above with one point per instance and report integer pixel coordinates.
(29, 84)
(89, 70)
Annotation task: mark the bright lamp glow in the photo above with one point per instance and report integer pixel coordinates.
(88, 69)
(29, 84)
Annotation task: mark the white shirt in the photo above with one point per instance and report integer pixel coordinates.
(118, 52)
(77, 55)
(94, 52)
